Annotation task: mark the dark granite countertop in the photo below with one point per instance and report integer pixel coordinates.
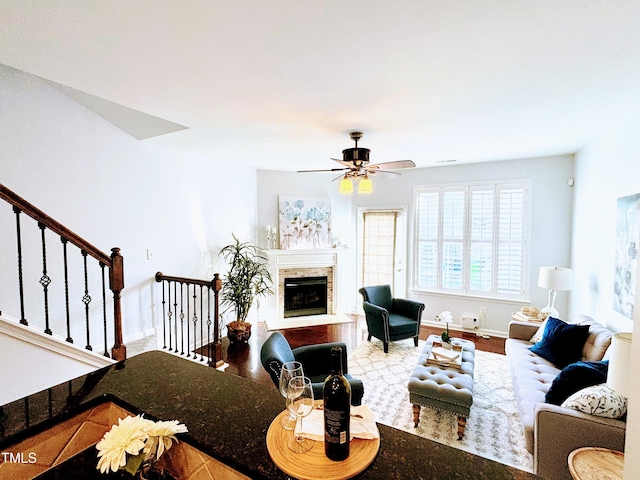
(227, 417)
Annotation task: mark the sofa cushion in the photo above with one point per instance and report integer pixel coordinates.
(531, 376)
(539, 333)
(598, 400)
(575, 377)
(598, 341)
(562, 342)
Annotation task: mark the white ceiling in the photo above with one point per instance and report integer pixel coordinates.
(279, 84)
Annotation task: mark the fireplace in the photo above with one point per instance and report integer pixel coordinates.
(294, 264)
(305, 296)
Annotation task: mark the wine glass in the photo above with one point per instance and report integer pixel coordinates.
(300, 404)
(289, 370)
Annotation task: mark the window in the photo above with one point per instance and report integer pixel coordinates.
(379, 247)
(471, 239)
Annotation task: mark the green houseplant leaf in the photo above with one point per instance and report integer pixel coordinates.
(247, 278)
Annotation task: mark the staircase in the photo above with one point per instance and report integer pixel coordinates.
(54, 308)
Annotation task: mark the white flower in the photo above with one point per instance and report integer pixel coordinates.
(128, 436)
(446, 317)
(131, 436)
(161, 437)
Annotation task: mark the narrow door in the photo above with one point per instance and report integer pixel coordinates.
(382, 252)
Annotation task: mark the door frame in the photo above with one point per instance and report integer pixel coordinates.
(400, 266)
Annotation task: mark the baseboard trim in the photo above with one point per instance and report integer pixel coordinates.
(33, 336)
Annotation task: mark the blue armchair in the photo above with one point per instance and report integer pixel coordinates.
(388, 318)
(315, 360)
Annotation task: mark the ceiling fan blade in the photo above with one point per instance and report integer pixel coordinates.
(337, 178)
(323, 170)
(375, 171)
(393, 165)
(342, 162)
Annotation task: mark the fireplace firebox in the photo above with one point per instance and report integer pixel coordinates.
(305, 296)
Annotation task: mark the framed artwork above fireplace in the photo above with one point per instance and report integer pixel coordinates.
(304, 222)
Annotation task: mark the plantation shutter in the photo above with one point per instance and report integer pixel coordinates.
(481, 238)
(428, 208)
(453, 221)
(511, 238)
(471, 239)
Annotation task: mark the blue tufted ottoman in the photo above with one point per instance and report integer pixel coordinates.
(444, 388)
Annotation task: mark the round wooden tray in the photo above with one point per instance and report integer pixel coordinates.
(314, 464)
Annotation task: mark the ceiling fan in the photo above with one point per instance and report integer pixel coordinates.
(355, 163)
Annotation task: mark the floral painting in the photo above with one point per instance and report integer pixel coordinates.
(305, 222)
(627, 237)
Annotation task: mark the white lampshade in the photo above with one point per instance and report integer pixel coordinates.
(620, 363)
(555, 278)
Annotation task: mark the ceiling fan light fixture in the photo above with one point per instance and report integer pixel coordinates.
(365, 185)
(346, 186)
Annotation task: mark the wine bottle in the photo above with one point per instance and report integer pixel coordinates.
(337, 409)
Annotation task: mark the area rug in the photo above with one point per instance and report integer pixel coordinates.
(493, 429)
(307, 321)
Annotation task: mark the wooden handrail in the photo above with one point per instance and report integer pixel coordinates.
(53, 225)
(191, 281)
(114, 261)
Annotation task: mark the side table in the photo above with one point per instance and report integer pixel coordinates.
(595, 463)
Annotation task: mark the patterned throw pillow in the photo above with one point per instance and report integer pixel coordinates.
(598, 400)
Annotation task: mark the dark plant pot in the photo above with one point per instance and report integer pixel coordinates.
(238, 332)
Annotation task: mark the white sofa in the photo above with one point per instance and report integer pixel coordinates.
(552, 432)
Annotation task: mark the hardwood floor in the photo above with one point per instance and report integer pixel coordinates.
(244, 358)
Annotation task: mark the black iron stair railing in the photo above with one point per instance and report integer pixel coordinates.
(187, 306)
(113, 263)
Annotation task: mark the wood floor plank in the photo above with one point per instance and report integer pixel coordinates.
(244, 358)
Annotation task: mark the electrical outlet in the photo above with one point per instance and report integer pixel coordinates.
(469, 322)
(151, 254)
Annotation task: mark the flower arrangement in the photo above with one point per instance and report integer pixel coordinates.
(447, 319)
(144, 440)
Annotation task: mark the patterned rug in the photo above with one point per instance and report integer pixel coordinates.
(493, 429)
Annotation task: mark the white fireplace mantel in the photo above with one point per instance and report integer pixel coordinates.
(280, 260)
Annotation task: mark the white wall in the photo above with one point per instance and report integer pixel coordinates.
(64, 361)
(608, 168)
(114, 190)
(550, 227)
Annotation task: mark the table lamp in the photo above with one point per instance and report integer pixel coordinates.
(555, 279)
(619, 364)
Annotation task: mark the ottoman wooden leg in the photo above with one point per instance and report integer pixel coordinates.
(462, 423)
(416, 414)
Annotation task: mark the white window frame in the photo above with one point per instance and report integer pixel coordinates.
(465, 289)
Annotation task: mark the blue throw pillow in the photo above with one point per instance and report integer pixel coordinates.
(561, 342)
(575, 377)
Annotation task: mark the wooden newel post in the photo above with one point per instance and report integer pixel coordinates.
(116, 284)
(217, 345)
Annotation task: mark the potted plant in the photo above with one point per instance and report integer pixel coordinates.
(248, 278)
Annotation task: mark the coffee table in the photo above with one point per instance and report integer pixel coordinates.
(446, 388)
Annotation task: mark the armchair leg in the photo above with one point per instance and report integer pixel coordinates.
(415, 340)
(369, 337)
(386, 347)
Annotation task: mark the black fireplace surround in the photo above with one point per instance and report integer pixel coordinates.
(305, 296)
